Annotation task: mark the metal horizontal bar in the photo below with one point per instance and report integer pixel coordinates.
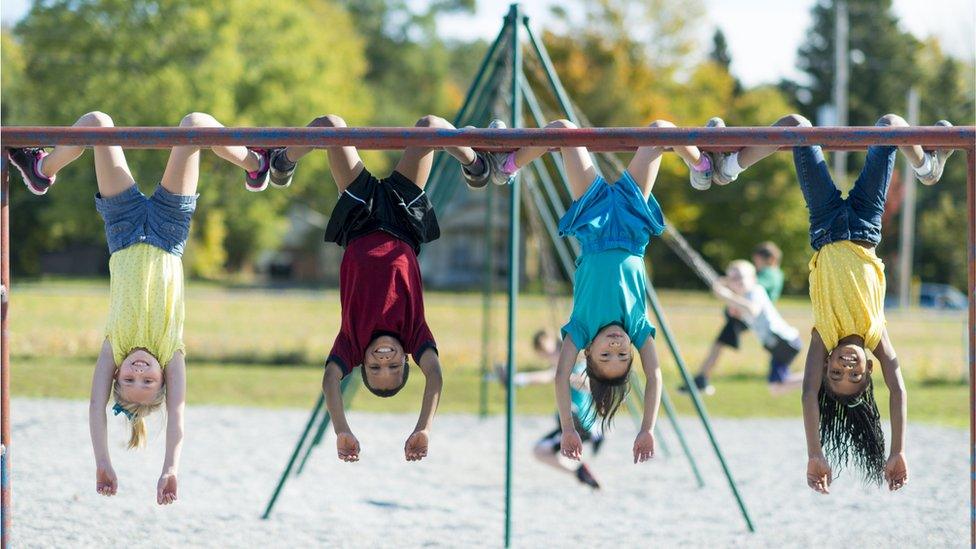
(597, 139)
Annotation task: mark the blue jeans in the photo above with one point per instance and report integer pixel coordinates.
(162, 220)
(858, 217)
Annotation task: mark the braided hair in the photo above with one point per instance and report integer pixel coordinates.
(850, 432)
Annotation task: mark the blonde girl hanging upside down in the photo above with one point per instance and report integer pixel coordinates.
(141, 366)
(847, 290)
(613, 223)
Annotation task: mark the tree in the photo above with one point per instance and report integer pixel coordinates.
(144, 62)
(720, 50)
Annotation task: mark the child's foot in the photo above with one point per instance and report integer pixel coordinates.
(28, 163)
(721, 173)
(282, 169)
(257, 180)
(478, 173)
(702, 384)
(502, 165)
(700, 175)
(596, 441)
(584, 475)
(931, 170)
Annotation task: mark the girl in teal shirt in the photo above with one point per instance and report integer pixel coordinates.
(613, 223)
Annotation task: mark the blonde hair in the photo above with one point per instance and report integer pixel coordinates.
(138, 413)
(747, 269)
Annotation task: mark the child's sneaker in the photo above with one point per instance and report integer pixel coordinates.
(719, 175)
(257, 180)
(478, 173)
(498, 171)
(937, 160)
(28, 162)
(584, 475)
(700, 177)
(282, 169)
(702, 384)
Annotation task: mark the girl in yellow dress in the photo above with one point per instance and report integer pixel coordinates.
(141, 366)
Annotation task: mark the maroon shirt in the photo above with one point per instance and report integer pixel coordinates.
(381, 294)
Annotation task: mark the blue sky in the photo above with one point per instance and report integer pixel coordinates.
(763, 35)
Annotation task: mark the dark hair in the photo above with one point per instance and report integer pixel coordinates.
(850, 431)
(768, 250)
(608, 393)
(537, 339)
(386, 393)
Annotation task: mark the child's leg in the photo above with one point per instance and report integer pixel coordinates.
(111, 170)
(870, 189)
(647, 161)
(577, 160)
(182, 171)
(416, 162)
(708, 366)
(343, 161)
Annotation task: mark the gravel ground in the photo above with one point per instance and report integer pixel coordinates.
(232, 458)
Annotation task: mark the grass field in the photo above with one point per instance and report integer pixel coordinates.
(264, 347)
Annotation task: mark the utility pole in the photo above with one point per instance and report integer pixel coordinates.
(841, 58)
(906, 248)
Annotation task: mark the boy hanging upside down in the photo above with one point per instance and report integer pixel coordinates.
(381, 223)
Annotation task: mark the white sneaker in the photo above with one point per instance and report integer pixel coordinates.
(498, 175)
(938, 159)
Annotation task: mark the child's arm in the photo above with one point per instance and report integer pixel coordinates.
(106, 482)
(818, 471)
(571, 444)
(735, 300)
(175, 406)
(896, 469)
(644, 445)
(416, 446)
(346, 444)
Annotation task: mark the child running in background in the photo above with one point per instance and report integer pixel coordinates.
(382, 224)
(613, 223)
(741, 291)
(141, 365)
(766, 258)
(547, 347)
(847, 288)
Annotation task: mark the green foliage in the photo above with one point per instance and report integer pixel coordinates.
(247, 62)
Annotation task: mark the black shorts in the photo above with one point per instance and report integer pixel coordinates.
(729, 336)
(782, 352)
(395, 205)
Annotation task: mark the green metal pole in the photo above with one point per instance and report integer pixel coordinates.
(349, 386)
(294, 456)
(550, 70)
(486, 301)
(696, 400)
(513, 270)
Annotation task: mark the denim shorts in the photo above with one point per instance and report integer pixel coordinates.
(614, 216)
(162, 220)
(858, 217)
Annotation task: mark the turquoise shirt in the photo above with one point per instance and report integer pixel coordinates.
(582, 400)
(609, 288)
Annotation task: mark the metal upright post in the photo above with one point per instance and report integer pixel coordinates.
(906, 244)
(488, 287)
(513, 270)
(696, 400)
(5, 508)
(971, 203)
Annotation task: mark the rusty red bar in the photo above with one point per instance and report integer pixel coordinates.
(597, 139)
(5, 508)
(971, 201)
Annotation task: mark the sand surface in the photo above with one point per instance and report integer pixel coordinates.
(455, 498)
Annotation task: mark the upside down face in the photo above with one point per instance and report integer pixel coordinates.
(848, 369)
(610, 353)
(140, 377)
(383, 363)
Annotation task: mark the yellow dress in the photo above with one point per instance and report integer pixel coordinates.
(146, 302)
(847, 288)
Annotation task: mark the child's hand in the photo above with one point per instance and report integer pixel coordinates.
(819, 476)
(166, 489)
(348, 447)
(571, 445)
(643, 447)
(721, 291)
(106, 483)
(416, 447)
(896, 471)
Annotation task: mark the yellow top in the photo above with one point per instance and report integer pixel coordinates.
(847, 288)
(146, 302)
